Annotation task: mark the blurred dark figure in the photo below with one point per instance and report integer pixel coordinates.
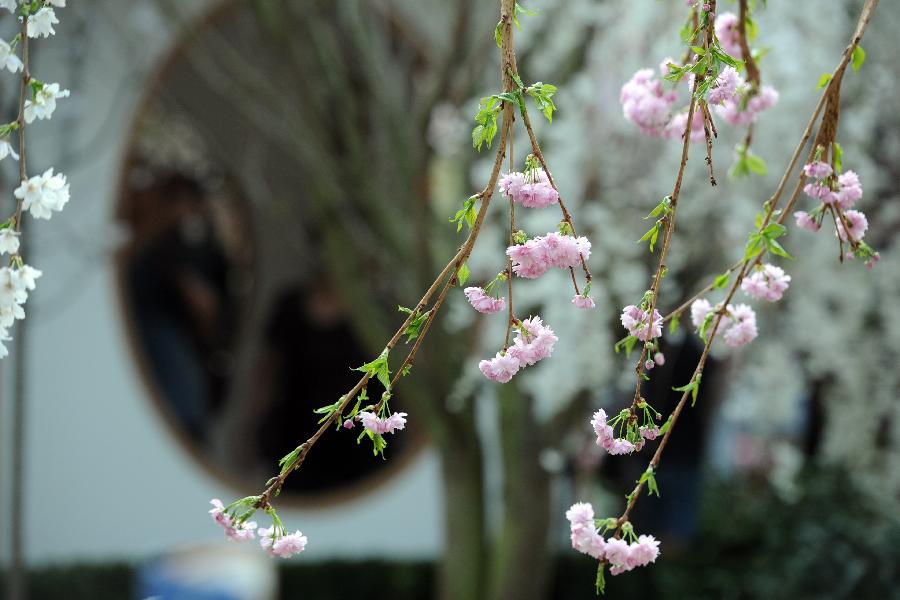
(177, 276)
(310, 351)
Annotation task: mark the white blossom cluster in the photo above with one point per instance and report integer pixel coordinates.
(40, 195)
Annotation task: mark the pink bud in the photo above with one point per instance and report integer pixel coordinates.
(348, 424)
(659, 358)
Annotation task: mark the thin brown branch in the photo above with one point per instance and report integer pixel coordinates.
(446, 276)
(20, 120)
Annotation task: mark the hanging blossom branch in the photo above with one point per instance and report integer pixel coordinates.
(836, 194)
(41, 195)
(525, 257)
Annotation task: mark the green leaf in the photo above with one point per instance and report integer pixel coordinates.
(774, 230)
(649, 478)
(627, 344)
(700, 50)
(693, 387)
(775, 248)
(467, 214)
(722, 280)
(756, 164)
(673, 324)
(857, 58)
(823, 80)
(498, 34)
(838, 152)
(542, 94)
(463, 274)
(289, 459)
(379, 368)
(755, 244)
(412, 330)
(600, 583)
(665, 426)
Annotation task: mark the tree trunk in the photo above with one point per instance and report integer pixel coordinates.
(522, 552)
(462, 570)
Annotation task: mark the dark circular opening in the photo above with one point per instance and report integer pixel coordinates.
(239, 329)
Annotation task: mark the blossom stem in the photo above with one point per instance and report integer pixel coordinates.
(20, 120)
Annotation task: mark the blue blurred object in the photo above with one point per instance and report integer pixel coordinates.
(208, 573)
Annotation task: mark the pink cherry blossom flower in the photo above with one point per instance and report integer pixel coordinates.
(382, 425)
(582, 301)
(501, 368)
(804, 221)
(620, 446)
(734, 112)
(539, 254)
(817, 170)
(849, 190)
(234, 531)
(726, 86)
(649, 433)
(604, 431)
(727, 31)
(857, 223)
(534, 341)
(768, 283)
(646, 103)
(482, 302)
(640, 324)
(581, 513)
(700, 308)
(743, 328)
(820, 191)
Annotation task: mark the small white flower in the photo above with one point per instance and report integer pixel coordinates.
(27, 276)
(41, 23)
(43, 194)
(9, 241)
(58, 3)
(44, 102)
(12, 288)
(9, 315)
(6, 149)
(9, 5)
(8, 59)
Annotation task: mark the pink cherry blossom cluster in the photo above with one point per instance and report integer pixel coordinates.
(620, 554)
(838, 194)
(531, 189)
(843, 191)
(744, 107)
(273, 540)
(726, 27)
(726, 87)
(606, 437)
(539, 254)
(534, 341)
(236, 531)
(646, 104)
(284, 545)
(484, 302)
(382, 425)
(640, 324)
(738, 326)
(768, 282)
